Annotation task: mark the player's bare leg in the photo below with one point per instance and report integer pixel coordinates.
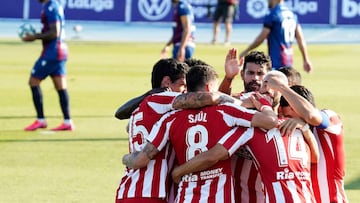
(228, 30)
(216, 30)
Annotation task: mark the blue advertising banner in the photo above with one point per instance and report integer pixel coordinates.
(308, 11)
(162, 11)
(250, 11)
(153, 11)
(102, 10)
(12, 9)
(348, 12)
(343, 12)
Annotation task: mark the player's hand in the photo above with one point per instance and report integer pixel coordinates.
(307, 66)
(247, 103)
(289, 125)
(232, 64)
(274, 80)
(181, 55)
(260, 100)
(164, 52)
(29, 38)
(125, 159)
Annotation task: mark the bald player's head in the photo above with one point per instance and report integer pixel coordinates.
(273, 75)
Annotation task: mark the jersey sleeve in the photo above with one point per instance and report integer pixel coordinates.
(267, 22)
(53, 14)
(184, 9)
(161, 103)
(331, 122)
(325, 121)
(236, 138)
(159, 134)
(235, 115)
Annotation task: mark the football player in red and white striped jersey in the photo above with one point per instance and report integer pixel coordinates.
(328, 174)
(193, 131)
(282, 161)
(151, 183)
(254, 67)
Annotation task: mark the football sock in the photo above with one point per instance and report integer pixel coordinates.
(64, 103)
(67, 121)
(38, 101)
(41, 119)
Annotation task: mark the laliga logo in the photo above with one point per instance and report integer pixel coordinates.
(303, 7)
(257, 8)
(154, 9)
(96, 5)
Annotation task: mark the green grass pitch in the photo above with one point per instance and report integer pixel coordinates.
(85, 165)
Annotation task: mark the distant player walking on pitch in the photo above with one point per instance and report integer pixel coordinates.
(50, 63)
(183, 32)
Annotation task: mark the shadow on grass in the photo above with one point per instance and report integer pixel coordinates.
(351, 185)
(68, 140)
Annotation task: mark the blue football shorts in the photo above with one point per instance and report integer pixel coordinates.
(44, 68)
(189, 50)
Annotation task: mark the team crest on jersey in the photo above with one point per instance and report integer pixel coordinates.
(154, 9)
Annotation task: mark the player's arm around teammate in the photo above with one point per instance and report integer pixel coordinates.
(278, 81)
(125, 110)
(265, 118)
(140, 159)
(219, 152)
(307, 111)
(288, 126)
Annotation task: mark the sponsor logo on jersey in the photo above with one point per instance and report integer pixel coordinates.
(154, 9)
(290, 175)
(203, 175)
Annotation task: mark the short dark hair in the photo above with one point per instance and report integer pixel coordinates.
(198, 76)
(258, 57)
(302, 91)
(193, 62)
(294, 77)
(167, 67)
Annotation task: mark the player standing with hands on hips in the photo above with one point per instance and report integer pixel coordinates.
(50, 63)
